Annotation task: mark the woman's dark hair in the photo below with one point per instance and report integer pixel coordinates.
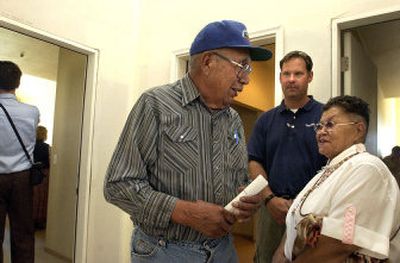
(10, 75)
(297, 54)
(396, 151)
(350, 104)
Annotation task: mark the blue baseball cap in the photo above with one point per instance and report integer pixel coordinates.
(227, 34)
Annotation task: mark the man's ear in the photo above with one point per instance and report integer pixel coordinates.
(311, 76)
(206, 62)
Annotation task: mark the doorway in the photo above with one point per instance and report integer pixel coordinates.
(66, 105)
(366, 64)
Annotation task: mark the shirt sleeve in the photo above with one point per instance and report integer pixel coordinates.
(255, 146)
(127, 180)
(366, 188)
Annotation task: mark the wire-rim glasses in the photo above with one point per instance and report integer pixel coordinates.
(329, 125)
(243, 68)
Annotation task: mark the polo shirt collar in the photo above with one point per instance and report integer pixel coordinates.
(309, 105)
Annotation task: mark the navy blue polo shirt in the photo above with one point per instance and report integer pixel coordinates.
(284, 143)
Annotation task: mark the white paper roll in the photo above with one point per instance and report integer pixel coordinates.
(253, 188)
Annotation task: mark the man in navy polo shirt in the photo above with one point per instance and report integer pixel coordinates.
(283, 148)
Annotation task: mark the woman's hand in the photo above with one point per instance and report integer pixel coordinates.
(279, 255)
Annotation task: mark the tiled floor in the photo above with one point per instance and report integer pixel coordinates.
(41, 256)
(245, 248)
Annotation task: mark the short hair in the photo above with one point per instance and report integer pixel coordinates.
(10, 75)
(193, 62)
(297, 54)
(396, 151)
(41, 133)
(350, 104)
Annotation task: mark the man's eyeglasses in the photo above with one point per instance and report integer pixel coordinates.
(243, 68)
(329, 125)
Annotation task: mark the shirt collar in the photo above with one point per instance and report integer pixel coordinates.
(7, 96)
(309, 105)
(355, 148)
(190, 93)
(189, 90)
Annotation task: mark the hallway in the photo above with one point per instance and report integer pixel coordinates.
(41, 256)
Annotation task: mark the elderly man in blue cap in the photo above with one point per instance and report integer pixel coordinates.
(182, 156)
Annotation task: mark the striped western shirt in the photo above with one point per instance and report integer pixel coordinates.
(173, 147)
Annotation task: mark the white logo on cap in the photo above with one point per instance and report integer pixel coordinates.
(245, 34)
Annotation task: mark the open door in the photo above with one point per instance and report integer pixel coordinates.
(66, 154)
(360, 79)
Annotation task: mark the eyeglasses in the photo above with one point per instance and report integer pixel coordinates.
(329, 125)
(244, 68)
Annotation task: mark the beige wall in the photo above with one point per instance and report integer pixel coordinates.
(113, 29)
(65, 157)
(136, 39)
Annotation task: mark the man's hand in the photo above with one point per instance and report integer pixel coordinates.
(247, 206)
(278, 207)
(210, 219)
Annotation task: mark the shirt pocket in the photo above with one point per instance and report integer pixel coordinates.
(237, 163)
(237, 158)
(180, 149)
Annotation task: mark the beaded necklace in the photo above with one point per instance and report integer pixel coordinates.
(327, 172)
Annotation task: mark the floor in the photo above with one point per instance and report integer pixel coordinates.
(41, 256)
(245, 248)
(244, 245)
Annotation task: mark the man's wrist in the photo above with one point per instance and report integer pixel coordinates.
(181, 213)
(269, 198)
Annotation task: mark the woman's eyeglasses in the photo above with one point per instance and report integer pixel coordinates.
(329, 125)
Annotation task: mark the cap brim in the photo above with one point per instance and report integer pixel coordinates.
(259, 53)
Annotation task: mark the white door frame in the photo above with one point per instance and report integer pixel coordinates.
(263, 37)
(339, 24)
(85, 168)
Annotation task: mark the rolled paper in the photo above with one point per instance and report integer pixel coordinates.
(253, 188)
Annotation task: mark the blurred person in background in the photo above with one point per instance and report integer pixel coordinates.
(41, 153)
(393, 162)
(15, 184)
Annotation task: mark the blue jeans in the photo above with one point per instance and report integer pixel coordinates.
(145, 249)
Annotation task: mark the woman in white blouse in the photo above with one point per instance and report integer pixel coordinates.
(350, 211)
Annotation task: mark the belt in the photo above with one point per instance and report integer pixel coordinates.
(208, 243)
(287, 197)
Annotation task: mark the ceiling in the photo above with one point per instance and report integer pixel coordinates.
(33, 56)
(381, 37)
